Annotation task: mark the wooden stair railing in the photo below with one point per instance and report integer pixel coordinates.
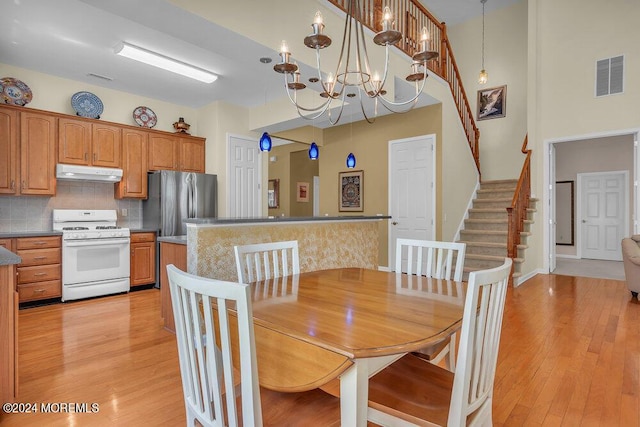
(410, 17)
(517, 212)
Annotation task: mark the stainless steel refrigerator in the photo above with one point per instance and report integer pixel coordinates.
(174, 197)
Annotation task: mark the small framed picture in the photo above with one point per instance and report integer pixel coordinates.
(492, 103)
(302, 192)
(351, 191)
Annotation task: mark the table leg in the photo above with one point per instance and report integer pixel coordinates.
(354, 392)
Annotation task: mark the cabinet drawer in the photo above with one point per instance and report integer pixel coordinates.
(143, 237)
(40, 256)
(40, 290)
(38, 273)
(38, 242)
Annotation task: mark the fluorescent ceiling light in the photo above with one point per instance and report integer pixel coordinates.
(164, 62)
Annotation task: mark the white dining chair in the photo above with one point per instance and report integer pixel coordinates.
(207, 374)
(439, 260)
(263, 261)
(411, 392)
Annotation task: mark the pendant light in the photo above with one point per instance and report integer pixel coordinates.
(313, 151)
(351, 161)
(265, 142)
(483, 77)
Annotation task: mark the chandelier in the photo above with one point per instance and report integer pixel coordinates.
(353, 75)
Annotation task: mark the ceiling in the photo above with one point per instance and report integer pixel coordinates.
(75, 39)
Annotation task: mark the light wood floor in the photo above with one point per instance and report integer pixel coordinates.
(569, 355)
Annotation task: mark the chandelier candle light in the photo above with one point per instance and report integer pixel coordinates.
(353, 74)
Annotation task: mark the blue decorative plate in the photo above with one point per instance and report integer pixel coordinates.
(87, 104)
(14, 91)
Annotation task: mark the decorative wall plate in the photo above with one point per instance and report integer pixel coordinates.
(87, 104)
(14, 91)
(145, 117)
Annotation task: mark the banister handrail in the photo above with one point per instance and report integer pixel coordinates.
(517, 211)
(410, 17)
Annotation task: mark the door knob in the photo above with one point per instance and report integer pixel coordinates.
(584, 220)
(394, 223)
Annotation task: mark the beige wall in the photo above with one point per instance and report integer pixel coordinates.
(53, 93)
(593, 155)
(303, 170)
(280, 169)
(369, 143)
(506, 63)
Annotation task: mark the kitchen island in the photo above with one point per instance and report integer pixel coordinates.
(324, 242)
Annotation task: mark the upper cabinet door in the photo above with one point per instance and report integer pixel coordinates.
(37, 153)
(8, 151)
(106, 145)
(134, 165)
(163, 152)
(192, 154)
(74, 141)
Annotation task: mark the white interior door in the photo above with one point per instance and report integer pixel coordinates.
(411, 190)
(603, 214)
(245, 172)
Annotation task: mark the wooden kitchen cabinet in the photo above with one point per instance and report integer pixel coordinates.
(40, 272)
(81, 142)
(8, 332)
(134, 165)
(175, 152)
(192, 154)
(8, 151)
(163, 152)
(176, 254)
(143, 259)
(38, 137)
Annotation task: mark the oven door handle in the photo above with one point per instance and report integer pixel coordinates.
(95, 242)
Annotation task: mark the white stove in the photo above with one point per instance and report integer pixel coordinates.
(95, 253)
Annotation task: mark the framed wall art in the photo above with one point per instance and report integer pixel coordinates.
(302, 192)
(492, 103)
(351, 191)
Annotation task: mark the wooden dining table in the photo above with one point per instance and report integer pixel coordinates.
(347, 323)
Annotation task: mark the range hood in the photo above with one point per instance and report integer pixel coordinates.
(87, 173)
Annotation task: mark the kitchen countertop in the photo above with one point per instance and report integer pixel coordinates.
(143, 230)
(15, 234)
(180, 240)
(280, 219)
(8, 258)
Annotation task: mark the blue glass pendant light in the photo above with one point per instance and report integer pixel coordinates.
(351, 161)
(313, 151)
(265, 142)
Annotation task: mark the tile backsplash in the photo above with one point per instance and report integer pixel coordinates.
(34, 213)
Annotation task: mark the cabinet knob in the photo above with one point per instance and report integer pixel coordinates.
(94, 157)
(86, 156)
(13, 184)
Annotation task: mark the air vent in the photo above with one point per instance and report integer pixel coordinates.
(609, 76)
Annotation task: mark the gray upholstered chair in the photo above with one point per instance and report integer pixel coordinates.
(631, 258)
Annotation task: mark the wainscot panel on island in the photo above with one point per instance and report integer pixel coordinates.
(324, 242)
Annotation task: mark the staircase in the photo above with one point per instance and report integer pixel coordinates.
(486, 229)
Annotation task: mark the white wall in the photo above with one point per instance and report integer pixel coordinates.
(566, 39)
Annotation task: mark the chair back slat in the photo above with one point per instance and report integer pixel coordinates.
(479, 343)
(430, 258)
(264, 261)
(207, 337)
